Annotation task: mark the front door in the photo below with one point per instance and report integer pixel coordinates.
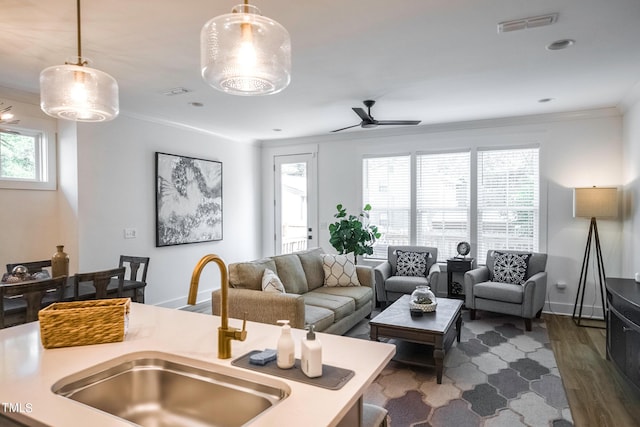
(295, 203)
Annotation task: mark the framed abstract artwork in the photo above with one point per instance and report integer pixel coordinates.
(188, 200)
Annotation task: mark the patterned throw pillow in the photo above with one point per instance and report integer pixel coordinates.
(411, 263)
(339, 270)
(271, 282)
(510, 268)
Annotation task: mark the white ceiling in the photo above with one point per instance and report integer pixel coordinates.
(438, 61)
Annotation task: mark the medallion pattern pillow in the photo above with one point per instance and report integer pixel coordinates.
(510, 268)
(271, 282)
(411, 263)
(339, 270)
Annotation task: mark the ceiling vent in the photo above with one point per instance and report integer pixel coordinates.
(523, 24)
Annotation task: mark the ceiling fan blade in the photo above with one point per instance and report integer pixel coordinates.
(399, 122)
(348, 127)
(363, 114)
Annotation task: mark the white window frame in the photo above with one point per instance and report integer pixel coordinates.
(46, 165)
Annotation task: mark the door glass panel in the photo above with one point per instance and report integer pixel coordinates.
(293, 208)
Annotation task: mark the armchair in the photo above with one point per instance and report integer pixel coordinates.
(485, 291)
(390, 285)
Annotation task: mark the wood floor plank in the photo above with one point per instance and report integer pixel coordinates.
(598, 395)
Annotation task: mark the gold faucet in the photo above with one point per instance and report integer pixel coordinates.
(225, 333)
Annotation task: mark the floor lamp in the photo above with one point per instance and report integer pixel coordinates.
(593, 202)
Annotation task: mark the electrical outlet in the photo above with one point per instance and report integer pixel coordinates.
(130, 233)
(561, 285)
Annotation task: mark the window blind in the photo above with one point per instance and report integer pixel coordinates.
(442, 201)
(508, 200)
(387, 188)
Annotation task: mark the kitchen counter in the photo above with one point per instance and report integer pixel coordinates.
(28, 371)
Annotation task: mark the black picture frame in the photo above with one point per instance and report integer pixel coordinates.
(188, 200)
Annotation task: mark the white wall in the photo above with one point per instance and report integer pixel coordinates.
(116, 175)
(631, 247)
(28, 218)
(577, 150)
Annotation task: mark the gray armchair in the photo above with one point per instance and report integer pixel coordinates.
(390, 286)
(527, 300)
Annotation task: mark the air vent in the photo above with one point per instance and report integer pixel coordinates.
(175, 91)
(523, 24)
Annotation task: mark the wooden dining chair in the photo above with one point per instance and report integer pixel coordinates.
(136, 281)
(94, 285)
(20, 302)
(32, 267)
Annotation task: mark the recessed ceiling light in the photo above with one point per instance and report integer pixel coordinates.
(277, 130)
(561, 44)
(543, 100)
(196, 104)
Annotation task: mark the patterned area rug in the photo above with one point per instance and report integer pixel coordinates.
(498, 375)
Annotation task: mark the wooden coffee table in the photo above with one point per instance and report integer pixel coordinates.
(423, 340)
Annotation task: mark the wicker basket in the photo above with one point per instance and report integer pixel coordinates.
(65, 324)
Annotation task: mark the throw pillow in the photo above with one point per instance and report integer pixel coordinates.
(411, 263)
(271, 282)
(339, 270)
(510, 268)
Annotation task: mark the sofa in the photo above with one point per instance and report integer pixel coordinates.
(390, 285)
(306, 300)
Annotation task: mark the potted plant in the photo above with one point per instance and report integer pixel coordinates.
(353, 233)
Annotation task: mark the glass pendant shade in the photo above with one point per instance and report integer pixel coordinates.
(78, 93)
(245, 53)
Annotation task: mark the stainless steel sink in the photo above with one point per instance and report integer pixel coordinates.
(160, 389)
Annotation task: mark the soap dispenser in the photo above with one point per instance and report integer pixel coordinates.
(286, 347)
(311, 355)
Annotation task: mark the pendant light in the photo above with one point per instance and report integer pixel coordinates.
(74, 91)
(245, 53)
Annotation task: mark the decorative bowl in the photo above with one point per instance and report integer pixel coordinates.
(424, 307)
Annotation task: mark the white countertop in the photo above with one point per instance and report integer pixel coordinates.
(28, 371)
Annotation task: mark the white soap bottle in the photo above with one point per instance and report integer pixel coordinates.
(286, 347)
(311, 359)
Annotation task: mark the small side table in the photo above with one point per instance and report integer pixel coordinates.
(458, 265)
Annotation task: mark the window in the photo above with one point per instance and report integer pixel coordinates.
(26, 161)
(500, 210)
(508, 200)
(387, 188)
(442, 201)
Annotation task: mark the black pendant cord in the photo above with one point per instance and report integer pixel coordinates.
(582, 283)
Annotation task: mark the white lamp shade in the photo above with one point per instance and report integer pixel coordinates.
(595, 202)
(78, 93)
(244, 53)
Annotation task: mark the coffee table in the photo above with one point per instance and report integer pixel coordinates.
(422, 340)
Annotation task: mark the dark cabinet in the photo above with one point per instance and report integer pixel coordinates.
(456, 267)
(623, 328)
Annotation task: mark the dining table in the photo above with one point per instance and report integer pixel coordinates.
(15, 307)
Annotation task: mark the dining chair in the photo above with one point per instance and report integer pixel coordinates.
(20, 302)
(32, 267)
(136, 281)
(94, 285)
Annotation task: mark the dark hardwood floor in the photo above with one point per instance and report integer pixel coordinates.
(598, 395)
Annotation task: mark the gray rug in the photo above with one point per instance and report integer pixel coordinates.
(498, 375)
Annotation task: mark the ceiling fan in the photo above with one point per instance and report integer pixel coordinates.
(369, 122)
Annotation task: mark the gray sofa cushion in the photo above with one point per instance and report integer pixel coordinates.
(362, 295)
(495, 291)
(312, 264)
(291, 273)
(341, 306)
(404, 284)
(248, 275)
(321, 318)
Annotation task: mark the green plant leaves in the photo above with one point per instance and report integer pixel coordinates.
(353, 233)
